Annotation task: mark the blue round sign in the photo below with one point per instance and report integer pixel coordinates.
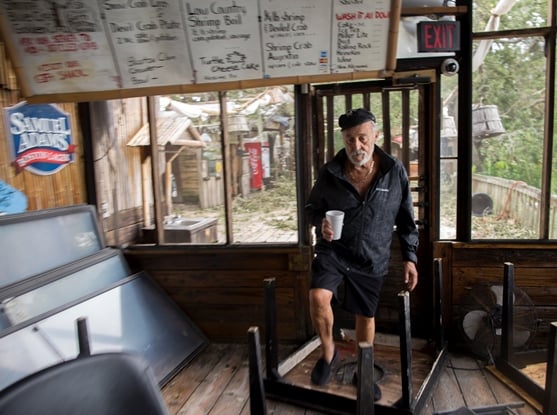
(41, 138)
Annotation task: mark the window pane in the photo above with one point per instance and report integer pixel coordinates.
(490, 15)
(261, 147)
(191, 168)
(449, 158)
(508, 125)
(447, 199)
(261, 132)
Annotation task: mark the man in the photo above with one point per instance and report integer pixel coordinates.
(372, 189)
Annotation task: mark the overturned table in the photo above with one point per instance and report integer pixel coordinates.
(400, 368)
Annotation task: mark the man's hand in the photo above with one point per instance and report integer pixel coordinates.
(410, 274)
(327, 230)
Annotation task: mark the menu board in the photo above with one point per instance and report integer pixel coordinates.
(60, 47)
(66, 47)
(292, 37)
(224, 39)
(358, 31)
(148, 42)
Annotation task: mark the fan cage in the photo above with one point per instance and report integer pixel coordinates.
(481, 319)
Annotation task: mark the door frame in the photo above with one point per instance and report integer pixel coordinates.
(424, 180)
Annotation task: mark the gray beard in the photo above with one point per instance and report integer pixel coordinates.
(361, 162)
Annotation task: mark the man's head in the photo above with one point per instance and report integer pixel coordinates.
(359, 135)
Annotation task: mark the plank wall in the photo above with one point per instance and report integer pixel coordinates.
(222, 290)
(535, 272)
(63, 188)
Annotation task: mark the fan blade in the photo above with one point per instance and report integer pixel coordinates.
(472, 322)
(520, 337)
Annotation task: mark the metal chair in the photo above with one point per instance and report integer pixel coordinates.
(101, 384)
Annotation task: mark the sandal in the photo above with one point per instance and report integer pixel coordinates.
(321, 372)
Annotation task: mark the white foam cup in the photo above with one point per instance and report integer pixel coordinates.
(336, 219)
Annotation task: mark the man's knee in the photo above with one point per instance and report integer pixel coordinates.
(320, 296)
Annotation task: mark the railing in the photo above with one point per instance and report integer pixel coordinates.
(514, 199)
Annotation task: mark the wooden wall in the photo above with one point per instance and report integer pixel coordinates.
(222, 290)
(187, 172)
(63, 188)
(535, 272)
(121, 173)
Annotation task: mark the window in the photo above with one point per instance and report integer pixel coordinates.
(448, 154)
(509, 116)
(224, 177)
(507, 140)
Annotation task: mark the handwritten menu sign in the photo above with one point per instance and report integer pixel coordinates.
(62, 45)
(359, 30)
(224, 39)
(149, 42)
(76, 46)
(295, 37)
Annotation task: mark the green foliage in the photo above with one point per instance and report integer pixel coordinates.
(511, 77)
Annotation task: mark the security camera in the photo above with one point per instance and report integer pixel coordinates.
(450, 67)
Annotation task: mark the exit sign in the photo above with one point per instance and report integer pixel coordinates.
(438, 36)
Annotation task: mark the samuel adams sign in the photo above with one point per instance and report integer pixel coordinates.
(41, 138)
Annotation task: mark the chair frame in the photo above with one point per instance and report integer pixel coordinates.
(504, 363)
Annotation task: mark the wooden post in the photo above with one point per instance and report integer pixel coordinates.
(550, 395)
(155, 169)
(439, 328)
(507, 340)
(271, 342)
(365, 392)
(405, 348)
(257, 402)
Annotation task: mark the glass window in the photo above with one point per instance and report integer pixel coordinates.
(448, 151)
(263, 151)
(491, 15)
(507, 139)
(214, 185)
(190, 167)
(201, 165)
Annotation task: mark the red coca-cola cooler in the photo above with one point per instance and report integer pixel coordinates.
(255, 165)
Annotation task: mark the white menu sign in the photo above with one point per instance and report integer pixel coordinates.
(61, 46)
(360, 31)
(295, 37)
(107, 46)
(224, 39)
(149, 42)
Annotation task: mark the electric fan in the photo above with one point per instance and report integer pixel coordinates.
(482, 317)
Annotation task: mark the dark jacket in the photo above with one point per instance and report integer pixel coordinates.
(369, 222)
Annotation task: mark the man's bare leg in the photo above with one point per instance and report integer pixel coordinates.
(365, 329)
(322, 318)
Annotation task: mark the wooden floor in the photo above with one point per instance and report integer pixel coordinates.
(216, 382)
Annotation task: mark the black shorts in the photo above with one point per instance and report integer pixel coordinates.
(361, 288)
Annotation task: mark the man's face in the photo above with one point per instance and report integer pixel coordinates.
(359, 141)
